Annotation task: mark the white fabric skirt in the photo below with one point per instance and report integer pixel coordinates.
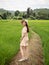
(24, 42)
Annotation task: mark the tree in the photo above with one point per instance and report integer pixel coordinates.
(42, 15)
(17, 13)
(34, 14)
(32, 17)
(28, 12)
(8, 14)
(31, 13)
(24, 15)
(4, 15)
(0, 16)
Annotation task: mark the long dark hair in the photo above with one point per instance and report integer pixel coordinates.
(26, 25)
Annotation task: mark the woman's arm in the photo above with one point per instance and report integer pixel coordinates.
(24, 33)
(22, 37)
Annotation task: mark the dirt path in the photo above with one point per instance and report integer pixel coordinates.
(35, 52)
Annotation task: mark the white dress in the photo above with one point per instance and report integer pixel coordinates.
(25, 40)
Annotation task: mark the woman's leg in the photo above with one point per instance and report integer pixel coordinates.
(26, 52)
(22, 51)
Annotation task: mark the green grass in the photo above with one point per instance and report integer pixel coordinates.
(42, 28)
(10, 33)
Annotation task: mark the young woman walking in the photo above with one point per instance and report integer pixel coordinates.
(24, 41)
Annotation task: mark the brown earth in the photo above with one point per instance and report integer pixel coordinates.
(35, 52)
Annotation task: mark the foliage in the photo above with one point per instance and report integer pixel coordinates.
(17, 13)
(4, 15)
(32, 17)
(24, 15)
(29, 13)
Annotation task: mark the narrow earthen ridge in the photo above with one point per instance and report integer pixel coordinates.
(35, 52)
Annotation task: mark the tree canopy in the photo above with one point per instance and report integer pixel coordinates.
(29, 14)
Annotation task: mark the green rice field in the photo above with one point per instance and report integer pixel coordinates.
(10, 33)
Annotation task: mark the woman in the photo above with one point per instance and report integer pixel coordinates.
(24, 40)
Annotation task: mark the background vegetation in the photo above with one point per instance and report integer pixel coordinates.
(28, 14)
